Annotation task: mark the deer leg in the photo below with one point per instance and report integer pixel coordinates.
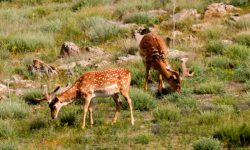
(91, 114)
(147, 77)
(117, 106)
(85, 109)
(161, 84)
(127, 98)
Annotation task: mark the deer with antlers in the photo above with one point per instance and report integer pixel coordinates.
(153, 51)
(109, 82)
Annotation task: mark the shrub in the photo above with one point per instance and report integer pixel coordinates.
(209, 88)
(234, 136)
(141, 18)
(208, 117)
(31, 96)
(52, 26)
(243, 39)
(140, 100)
(220, 62)
(27, 42)
(239, 2)
(213, 33)
(238, 52)
(242, 73)
(216, 47)
(138, 73)
(169, 113)
(8, 146)
(142, 139)
(12, 109)
(5, 129)
(88, 3)
(38, 123)
(243, 24)
(207, 144)
(100, 30)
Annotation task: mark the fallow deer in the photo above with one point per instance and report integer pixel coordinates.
(153, 51)
(109, 82)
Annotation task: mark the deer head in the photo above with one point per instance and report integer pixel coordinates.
(54, 104)
(174, 79)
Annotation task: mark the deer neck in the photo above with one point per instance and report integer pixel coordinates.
(69, 95)
(161, 65)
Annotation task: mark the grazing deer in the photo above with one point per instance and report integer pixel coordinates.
(109, 82)
(153, 51)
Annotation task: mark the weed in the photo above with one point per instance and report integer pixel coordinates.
(138, 73)
(6, 130)
(234, 135)
(88, 3)
(242, 73)
(220, 62)
(209, 88)
(207, 144)
(213, 33)
(13, 109)
(239, 2)
(209, 117)
(8, 146)
(238, 52)
(141, 100)
(169, 113)
(243, 39)
(216, 47)
(141, 18)
(142, 139)
(38, 124)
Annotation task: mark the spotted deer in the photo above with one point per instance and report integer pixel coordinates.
(153, 51)
(109, 82)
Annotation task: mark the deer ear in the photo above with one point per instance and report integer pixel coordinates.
(56, 89)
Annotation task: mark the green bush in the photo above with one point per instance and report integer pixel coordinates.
(234, 135)
(8, 146)
(52, 26)
(142, 139)
(101, 30)
(220, 62)
(238, 52)
(13, 109)
(169, 113)
(242, 73)
(27, 42)
(216, 47)
(213, 33)
(88, 3)
(209, 117)
(141, 100)
(138, 73)
(141, 18)
(243, 39)
(31, 96)
(207, 144)
(6, 130)
(239, 2)
(38, 123)
(209, 88)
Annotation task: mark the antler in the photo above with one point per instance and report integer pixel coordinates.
(185, 70)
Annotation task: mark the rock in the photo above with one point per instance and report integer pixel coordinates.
(40, 68)
(95, 50)
(186, 13)
(218, 10)
(83, 63)
(228, 42)
(66, 67)
(200, 27)
(69, 49)
(102, 64)
(128, 58)
(157, 13)
(3, 88)
(173, 53)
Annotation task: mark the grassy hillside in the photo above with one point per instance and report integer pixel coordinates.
(211, 112)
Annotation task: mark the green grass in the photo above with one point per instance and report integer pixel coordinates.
(234, 135)
(169, 113)
(243, 39)
(220, 62)
(141, 18)
(141, 100)
(13, 109)
(6, 130)
(209, 88)
(216, 47)
(207, 144)
(100, 30)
